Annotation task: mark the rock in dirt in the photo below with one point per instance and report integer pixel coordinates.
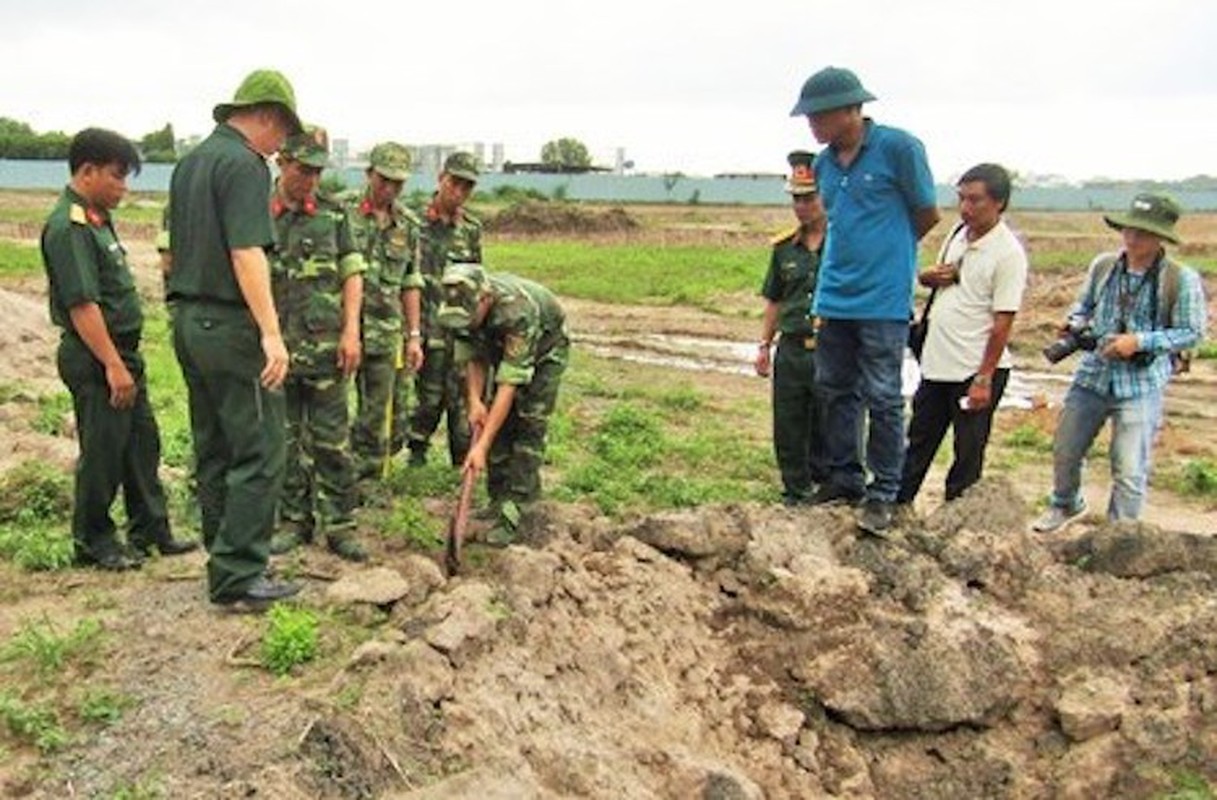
(378, 586)
(1091, 705)
(467, 617)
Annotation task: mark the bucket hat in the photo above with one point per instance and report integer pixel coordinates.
(831, 87)
(262, 86)
(1152, 212)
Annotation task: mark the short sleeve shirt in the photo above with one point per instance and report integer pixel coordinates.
(790, 283)
(992, 277)
(870, 253)
(219, 200)
(85, 263)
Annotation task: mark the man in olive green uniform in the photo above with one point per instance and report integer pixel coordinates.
(514, 328)
(385, 233)
(449, 235)
(94, 303)
(227, 335)
(316, 277)
(788, 290)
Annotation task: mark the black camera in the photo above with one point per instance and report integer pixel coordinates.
(1078, 335)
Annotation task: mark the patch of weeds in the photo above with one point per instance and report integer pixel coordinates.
(17, 258)
(1186, 785)
(1199, 478)
(498, 609)
(54, 412)
(349, 696)
(102, 705)
(1206, 350)
(290, 638)
(33, 490)
(33, 723)
(49, 651)
(431, 480)
(628, 436)
(411, 522)
(36, 546)
(683, 399)
(1029, 437)
(145, 788)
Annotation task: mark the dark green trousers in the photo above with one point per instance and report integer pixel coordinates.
(239, 430)
(118, 448)
(798, 438)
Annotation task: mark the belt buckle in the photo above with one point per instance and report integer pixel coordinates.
(809, 343)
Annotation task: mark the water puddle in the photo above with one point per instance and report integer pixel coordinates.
(700, 354)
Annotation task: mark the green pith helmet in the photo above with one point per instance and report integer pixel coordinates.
(310, 147)
(802, 176)
(462, 165)
(1152, 212)
(461, 287)
(262, 86)
(831, 87)
(391, 160)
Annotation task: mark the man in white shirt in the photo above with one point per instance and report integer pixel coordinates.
(977, 289)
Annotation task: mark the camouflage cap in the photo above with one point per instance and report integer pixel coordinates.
(462, 165)
(802, 176)
(310, 147)
(391, 160)
(262, 86)
(461, 287)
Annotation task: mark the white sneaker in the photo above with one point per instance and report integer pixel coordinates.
(1057, 517)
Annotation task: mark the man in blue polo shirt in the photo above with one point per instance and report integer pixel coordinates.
(877, 188)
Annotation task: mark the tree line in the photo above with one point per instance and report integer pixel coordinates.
(19, 140)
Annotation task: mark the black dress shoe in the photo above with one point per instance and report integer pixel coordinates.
(259, 594)
(167, 546)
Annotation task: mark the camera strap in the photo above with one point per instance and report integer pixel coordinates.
(942, 254)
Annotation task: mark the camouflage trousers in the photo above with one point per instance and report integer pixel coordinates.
(374, 389)
(439, 389)
(319, 485)
(513, 471)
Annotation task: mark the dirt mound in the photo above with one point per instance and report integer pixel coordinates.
(538, 217)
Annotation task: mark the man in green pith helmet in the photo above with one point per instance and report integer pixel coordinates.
(788, 290)
(514, 330)
(316, 276)
(386, 234)
(94, 302)
(449, 235)
(227, 335)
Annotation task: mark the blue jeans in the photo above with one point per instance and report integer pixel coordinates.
(1133, 424)
(858, 365)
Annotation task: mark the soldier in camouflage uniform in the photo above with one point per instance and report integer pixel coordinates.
(385, 232)
(514, 329)
(789, 285)
(316, 276)
(448, 235)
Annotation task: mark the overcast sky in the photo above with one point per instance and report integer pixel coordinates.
(1115, 88)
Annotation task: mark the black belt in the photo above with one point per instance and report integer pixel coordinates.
(806, 341)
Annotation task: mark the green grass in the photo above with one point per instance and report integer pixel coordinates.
(35, 503)
(1029, 437)
(32, 723)
(18, 260)
(291, 638)
(622, 273)
(41, 645)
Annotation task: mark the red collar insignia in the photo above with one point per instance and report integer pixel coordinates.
(365, 207)
(277, 206)
(95, 217)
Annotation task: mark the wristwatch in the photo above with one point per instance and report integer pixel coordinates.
(982, 380)
(414, 334)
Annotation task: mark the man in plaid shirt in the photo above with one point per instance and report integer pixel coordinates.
(1140, 307)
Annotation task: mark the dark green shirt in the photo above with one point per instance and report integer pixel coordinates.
(85, 263)
(791, 282)
(219, 202)
(524, 324)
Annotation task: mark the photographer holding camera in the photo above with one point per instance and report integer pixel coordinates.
(1136, 309)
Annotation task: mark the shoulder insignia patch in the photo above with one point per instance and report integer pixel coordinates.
(784, 236)
(514, 348)
(77, 214)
